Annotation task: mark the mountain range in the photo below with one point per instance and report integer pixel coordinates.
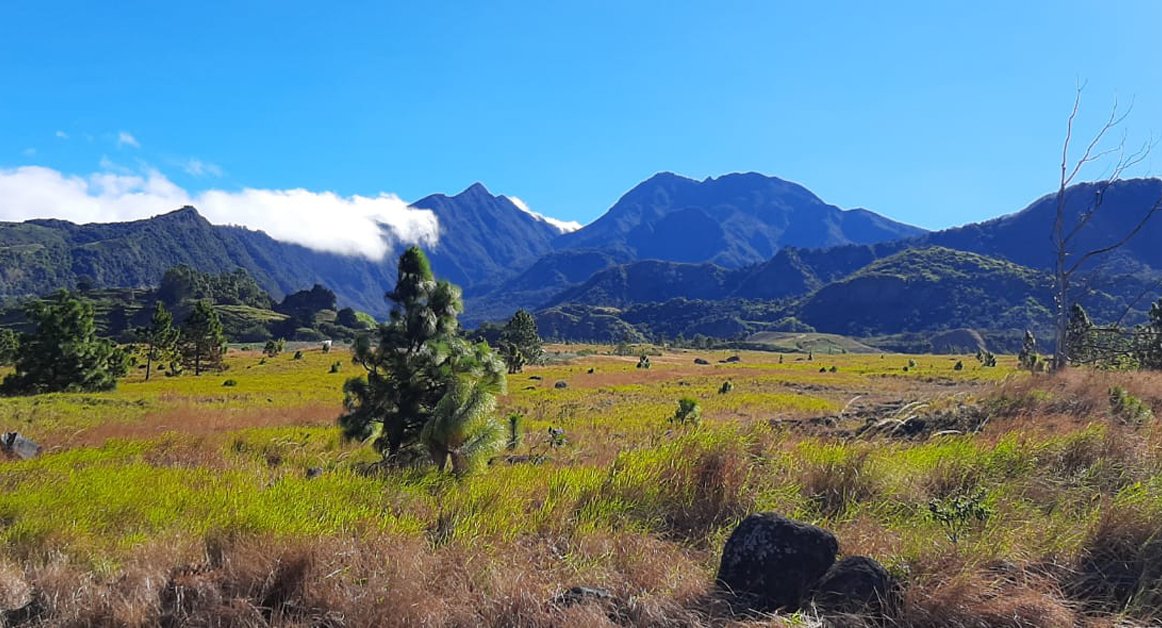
(743, 252)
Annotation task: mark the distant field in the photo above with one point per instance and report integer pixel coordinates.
(186, 486)
(809, 342)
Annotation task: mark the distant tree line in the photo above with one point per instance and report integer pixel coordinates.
(1114, 346)
(69, 341)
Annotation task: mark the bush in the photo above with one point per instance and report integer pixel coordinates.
(273, 347)
(306, 334)
(959, 513)
(298, 355)
(1128, 408)
(253, 333)
(689, 413)
(515, 426)
(336, 367)
(230, 383)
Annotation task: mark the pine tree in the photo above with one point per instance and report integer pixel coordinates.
(1078, 336)
(63, 353)
(688, 412)
(9, 346)
(514, 358)
(1028, 358)
(417, 363)
(520, 342)
(203, 342)
(161, 338)
(1150, 339)
(463, 428)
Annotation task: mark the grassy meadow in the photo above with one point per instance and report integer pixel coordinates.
(184, 501)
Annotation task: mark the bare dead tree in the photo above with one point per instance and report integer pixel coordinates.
(1068, 260)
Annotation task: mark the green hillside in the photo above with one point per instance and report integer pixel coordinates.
(248, 314)
(809, 342)
(931, 289)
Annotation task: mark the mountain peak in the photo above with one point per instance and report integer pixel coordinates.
(733, 220)
(475, 190)
(184, 213)
(666, 176)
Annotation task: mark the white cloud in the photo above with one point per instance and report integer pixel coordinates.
(199, 168)
(124, 138)
(564, 226)
(28, 152)
(368, 226)
(62, 135)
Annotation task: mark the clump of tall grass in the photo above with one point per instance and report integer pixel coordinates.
(835, 478)
(1119, 564)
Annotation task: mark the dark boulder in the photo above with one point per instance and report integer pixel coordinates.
(561, 384)
(771, 562)
(701, 362)
(857, 585)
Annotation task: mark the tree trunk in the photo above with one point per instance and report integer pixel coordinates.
(1061, 351)
(440, 457)
(460, 463)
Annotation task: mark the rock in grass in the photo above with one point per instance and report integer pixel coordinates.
(581, 595)
(561, 384)
(857, 585)
(701, 361)
(15, 445)
(771, 562)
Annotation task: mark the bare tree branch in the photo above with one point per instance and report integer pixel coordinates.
(1063, 236)
(1157, 207)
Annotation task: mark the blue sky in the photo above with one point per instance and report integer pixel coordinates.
(933, 113)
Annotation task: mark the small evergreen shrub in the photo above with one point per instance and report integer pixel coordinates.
(1127, 407)
(689, 413)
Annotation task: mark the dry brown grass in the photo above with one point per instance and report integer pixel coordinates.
(834, 485)
(1120, 564)
(949, 592)
(1070, 398)
(385, 581)
(709, 492)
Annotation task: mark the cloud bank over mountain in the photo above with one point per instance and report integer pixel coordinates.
(564, 226)
(367, 226)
